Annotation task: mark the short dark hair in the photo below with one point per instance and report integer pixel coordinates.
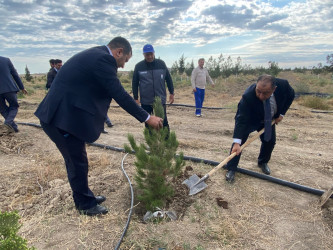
(51, 61)
(267, 79)
(120, 42)
(56, 61)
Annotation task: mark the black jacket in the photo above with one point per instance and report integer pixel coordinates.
(150, 79)
(50, 77)
(81, 93)
(250, 113)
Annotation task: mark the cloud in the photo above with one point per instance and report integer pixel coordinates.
(257, 29)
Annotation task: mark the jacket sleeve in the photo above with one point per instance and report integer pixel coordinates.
(289, 97)
(135, 84)
(169, 81)
(193, 76)
(106, 74)
(242, 119)
(16, 77)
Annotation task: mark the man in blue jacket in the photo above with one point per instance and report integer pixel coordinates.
(149, 78)
(250, 116)
(10, 84)
(74, 110)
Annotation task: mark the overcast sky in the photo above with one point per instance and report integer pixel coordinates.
(293, 33)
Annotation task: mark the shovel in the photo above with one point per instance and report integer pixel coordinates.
(196, 185)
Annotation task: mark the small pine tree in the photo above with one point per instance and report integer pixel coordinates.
(154, 169)
(27, 76)
(9, 226)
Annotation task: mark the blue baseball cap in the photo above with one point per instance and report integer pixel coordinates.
(148, 48)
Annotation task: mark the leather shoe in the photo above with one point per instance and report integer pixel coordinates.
(230, 176)
(96, 210)
(100, 199)
(11, 128)
(264, 167)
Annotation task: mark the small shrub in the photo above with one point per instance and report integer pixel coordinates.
(9, 226)
(315, 102)
(154, 169)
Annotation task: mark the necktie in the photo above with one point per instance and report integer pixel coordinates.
(268, 120)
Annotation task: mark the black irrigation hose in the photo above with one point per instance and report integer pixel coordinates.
(214, 163)
(132, 201)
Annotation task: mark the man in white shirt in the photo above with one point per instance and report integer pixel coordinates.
(198, 80)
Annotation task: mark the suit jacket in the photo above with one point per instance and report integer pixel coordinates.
(50, 77)
(250, 113)
(10, 81)
(81, 94)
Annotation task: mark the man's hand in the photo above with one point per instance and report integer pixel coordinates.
(171, 98)
(155, 122)
(236, 148)
(194, 90)
(279, 119)
(137, 102)
(24, 91)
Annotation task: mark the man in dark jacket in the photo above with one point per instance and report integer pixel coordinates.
(149, 77)
(250, 116)
(10, 84)
(74, 110)
(53, 72)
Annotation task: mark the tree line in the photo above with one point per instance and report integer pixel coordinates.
(226, 66)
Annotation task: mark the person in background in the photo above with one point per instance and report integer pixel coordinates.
(264, 101)
(73, 112)
(53, 72)
(199, 79)
(149, 78)
(10, 84)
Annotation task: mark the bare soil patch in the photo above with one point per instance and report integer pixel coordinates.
(248, 214)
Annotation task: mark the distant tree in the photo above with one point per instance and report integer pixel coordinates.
(238, 66)
(189, 68)
(174, 68)
(273, 68)
(329, 60)
(181, 65)
(213, 67)
(27, 76)
(227, 67)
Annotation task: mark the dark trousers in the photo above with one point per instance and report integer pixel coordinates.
(9, 111)
(149, 109)
(199, 97)
(74, 153)
(266, 150)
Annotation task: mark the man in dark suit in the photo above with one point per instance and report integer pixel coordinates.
(74, 110)
(250, 116)
(57, 63)
(10, 84)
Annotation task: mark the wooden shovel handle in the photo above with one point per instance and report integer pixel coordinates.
(226, 160)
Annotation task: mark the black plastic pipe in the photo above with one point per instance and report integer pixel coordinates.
(214, 163)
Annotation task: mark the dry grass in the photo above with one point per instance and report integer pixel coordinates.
(261, 215)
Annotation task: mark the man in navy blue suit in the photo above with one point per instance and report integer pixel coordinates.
(250, 116)
(10, 84)
(74, 110)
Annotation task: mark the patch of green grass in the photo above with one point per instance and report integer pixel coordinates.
(315, 102)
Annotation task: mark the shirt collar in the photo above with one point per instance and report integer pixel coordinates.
(109, 50)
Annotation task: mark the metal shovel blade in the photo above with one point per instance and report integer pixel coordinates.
(193, 185)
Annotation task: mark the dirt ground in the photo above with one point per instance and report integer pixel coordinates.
(254, 214)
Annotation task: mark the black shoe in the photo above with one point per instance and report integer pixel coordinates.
(264, 167)
(11, 128)
(105, 132)
(230, 176)
(96, 210)
(109, 124)
(100, 199)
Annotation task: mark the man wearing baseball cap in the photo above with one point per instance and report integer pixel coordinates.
(149, 79)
